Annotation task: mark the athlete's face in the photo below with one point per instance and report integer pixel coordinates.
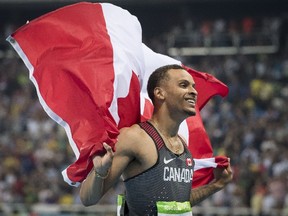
(180, 93)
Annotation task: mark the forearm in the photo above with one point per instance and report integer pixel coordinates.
(201, 193)
(222, 178)
(92, 189)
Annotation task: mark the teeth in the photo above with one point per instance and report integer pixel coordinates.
(191, 101)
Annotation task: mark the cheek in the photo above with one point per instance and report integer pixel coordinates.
(175, 100)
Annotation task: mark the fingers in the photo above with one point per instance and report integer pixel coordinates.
(97, 159)
(103, 163)
(229, 170)
(108, 148)
(222, 172)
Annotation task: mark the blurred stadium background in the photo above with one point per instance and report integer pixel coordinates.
(241, 42)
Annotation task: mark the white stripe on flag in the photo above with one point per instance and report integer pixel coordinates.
(204, 163)
(125, 35)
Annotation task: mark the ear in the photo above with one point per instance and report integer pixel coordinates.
(159, 93)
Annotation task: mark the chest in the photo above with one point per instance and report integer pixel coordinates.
(148, 155)
(145, 157)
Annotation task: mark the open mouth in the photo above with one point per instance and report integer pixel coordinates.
(191, 101)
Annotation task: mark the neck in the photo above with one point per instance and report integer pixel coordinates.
(169, 133)
(166, 120)
(167, 127)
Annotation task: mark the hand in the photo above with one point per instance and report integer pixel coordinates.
(223, 175)
(103, 163)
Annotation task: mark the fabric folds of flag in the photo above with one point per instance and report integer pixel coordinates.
(90, 69)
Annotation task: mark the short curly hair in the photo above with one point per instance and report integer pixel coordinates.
(157, 76)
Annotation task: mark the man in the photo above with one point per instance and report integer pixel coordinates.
(152, 158)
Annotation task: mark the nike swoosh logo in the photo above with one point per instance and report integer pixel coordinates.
(168, 161)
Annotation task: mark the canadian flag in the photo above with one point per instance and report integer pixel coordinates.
(90, 70)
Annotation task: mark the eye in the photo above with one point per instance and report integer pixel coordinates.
(183, 84)
(186, 84)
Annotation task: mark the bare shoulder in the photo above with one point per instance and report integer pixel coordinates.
(130, 137)
(136, 145)
(132, 132)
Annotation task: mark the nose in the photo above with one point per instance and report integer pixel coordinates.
(193, 91)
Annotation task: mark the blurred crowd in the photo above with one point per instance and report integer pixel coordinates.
(219, 32)
(245, 31)
(250, 126)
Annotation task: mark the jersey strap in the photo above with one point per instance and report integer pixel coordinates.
(153, 133)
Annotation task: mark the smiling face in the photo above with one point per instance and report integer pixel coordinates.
(179, 92)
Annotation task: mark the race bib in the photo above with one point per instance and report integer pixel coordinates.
(120, 205)
(174, 208)
(164, 208)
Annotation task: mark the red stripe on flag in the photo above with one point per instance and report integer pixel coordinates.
(75, 75)
(199, 143)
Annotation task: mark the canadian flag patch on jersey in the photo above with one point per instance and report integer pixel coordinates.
(189, 162)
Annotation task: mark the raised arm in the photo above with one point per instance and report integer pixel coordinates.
(92, 188)
(222, 178)
(106, 172)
